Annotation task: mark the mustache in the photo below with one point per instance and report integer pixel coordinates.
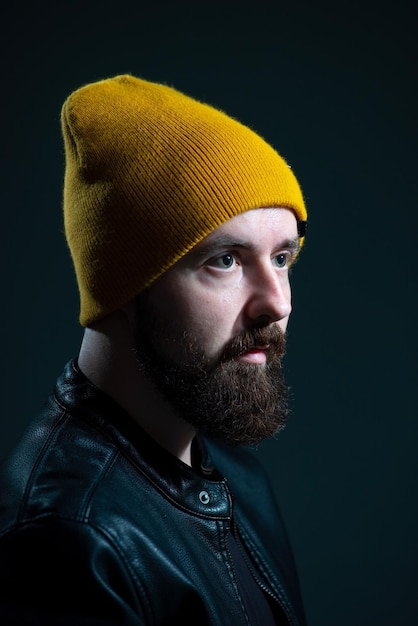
(271, 336)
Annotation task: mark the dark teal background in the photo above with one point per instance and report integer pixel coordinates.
(333, 86)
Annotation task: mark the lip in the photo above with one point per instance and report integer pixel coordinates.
(256, 355)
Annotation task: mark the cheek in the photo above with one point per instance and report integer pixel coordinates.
(208, 312)
(202, 317)
(209, 319)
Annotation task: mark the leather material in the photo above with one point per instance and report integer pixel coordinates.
(100, 525)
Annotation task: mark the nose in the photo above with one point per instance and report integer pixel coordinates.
(269, 298)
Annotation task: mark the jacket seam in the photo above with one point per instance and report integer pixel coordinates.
(229, 562)
(36, 464)
(105, 469)
(275, 587)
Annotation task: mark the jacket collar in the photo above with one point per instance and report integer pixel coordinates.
(202, 491)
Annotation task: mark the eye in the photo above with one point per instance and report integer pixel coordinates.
(224, 262)
(281, 260)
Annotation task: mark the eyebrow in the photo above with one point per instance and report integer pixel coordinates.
(224, 242)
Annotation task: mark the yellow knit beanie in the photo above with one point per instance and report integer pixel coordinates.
(149, 173)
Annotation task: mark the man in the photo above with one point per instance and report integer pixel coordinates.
(133, 499)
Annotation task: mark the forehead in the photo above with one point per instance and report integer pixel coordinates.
(264, 225)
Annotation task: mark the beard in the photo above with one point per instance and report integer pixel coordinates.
(226, 399)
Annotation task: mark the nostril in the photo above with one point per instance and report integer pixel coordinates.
(263, 320)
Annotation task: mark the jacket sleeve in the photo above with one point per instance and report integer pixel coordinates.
(62, 573)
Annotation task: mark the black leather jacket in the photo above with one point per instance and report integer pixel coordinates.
(100, 525)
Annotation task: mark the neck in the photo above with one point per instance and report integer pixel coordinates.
(107, 359)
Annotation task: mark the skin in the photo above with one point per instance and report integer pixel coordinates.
(236, 279)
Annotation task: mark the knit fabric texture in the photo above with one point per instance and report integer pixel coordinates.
(149, 173)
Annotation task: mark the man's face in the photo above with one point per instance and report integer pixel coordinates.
(210, 331)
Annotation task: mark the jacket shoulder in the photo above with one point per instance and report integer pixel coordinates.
(65, 568)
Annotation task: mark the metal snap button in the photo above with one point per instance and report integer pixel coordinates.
(204, 497)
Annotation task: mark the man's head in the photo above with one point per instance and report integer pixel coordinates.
(150, 172)
(174, 207)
